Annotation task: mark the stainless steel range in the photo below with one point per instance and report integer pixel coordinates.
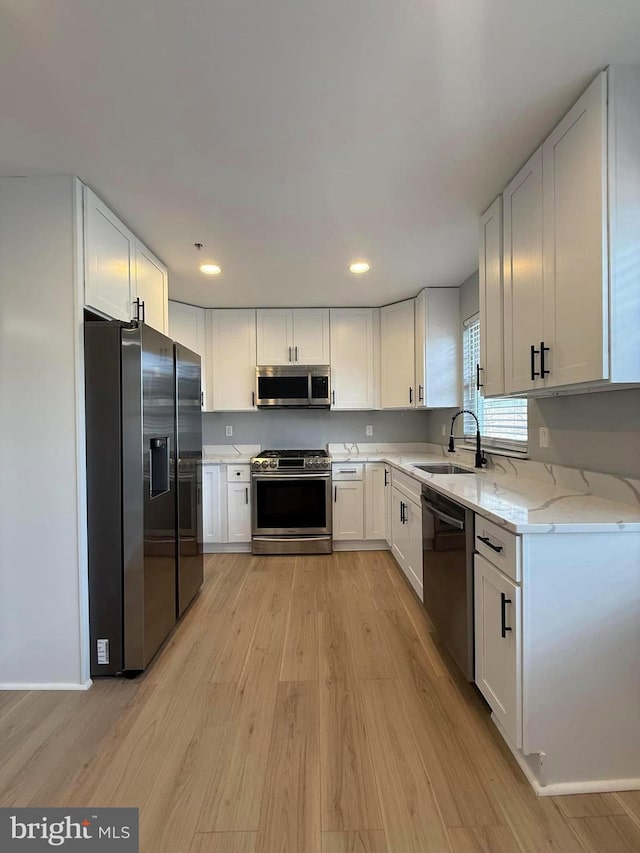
(291, 507)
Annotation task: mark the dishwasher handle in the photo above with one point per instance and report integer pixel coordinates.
(448, 519)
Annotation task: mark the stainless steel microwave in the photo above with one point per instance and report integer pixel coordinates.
(293, 387)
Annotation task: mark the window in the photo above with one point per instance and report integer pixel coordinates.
(503, 422)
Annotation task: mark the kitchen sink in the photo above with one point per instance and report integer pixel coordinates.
(443, 468)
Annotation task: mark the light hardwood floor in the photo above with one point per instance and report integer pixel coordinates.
(304, 706)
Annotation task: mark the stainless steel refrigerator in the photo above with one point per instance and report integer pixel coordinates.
(132, 496)
(189, 474)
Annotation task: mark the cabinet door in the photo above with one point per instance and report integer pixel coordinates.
(498, 642)
(397, 355)
(575, 242)
(214, 504)
(399, 529)
(523, 295)
(387, 492)
(187, 327)
(238, 512)
(152, 288)
(491, 374)
(413, 569)
(438, 338)
(109, 248)
(375, 501)
(232, 333)
(274, 327)
(348, 510)
(352, 358)
(311, 336)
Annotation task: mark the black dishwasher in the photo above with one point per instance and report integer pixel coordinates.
(448, 543)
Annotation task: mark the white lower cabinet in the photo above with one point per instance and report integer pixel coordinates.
(226, 504)
(214, 504)
(348, 510)
(406, 537)
(498, 641)
(376, 486)
(238, 512)
(557, 653)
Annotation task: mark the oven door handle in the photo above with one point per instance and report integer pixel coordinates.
(449, 519)
(315, 475)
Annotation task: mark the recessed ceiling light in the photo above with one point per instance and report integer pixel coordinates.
(210, 269)
(359, 267)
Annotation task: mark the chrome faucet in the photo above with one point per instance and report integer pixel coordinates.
(480, 458)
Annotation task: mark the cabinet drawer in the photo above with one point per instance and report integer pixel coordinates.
(500, 547)
(411, 488)
(348, 471)
(238, 473)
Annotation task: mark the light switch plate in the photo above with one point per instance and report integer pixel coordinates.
(369, 429)
(543, 436)
(228, 431)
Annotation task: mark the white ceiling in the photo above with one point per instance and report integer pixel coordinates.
(292, 137)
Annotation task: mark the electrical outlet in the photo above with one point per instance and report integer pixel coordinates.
(543, 437)
(444, 430)
(228, 431)
(369, 429)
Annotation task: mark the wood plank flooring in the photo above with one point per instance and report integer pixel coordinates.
(302, 706)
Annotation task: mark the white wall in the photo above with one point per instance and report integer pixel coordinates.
(43, 598)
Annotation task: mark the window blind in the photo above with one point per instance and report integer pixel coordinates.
(503, 421)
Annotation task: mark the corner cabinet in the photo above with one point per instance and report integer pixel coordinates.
(109, 253)
(491, 367)
(231, 345)
(397, 355)
(292, 336)
(437, 348)
(355, 357)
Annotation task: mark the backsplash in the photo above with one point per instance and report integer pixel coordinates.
(306, 428)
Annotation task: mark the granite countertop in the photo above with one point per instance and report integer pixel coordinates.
(519, 504)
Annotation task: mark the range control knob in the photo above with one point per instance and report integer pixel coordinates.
(264, 463)
(273, 464)
(325, 463)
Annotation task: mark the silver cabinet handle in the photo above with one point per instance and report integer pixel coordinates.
(347, 471)
(421, 393)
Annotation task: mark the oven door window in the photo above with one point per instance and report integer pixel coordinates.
(287, 505)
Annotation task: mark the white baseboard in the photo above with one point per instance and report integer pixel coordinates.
(227, 548)
(85, 685)
(559, 789)
(361, 545)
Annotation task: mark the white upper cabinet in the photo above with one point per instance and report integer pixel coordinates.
(354, 357)
(109, 249)
(571, 271)
(187, 327)
(232, 363)
(574, 166)
(292, 336)
(152, 288)
(523, 287)
(437, 346)
(397, 355)
(491, 368)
